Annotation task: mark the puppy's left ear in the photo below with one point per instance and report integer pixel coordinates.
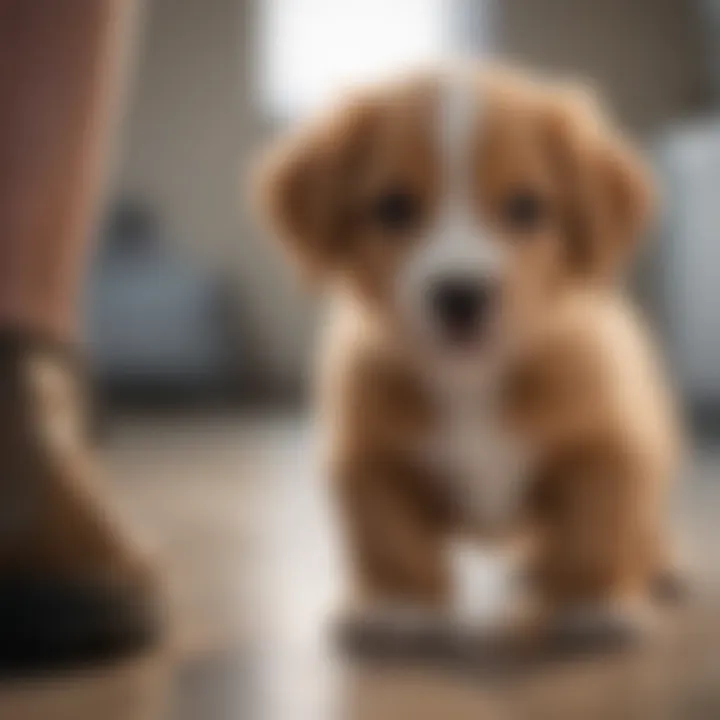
(608, 194)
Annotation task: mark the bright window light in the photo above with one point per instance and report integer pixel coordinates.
(312, 48)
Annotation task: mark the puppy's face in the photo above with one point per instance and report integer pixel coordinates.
(456, 206)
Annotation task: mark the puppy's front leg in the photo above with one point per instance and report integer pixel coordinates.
(395, 532)
(395, 528)
(600, 518)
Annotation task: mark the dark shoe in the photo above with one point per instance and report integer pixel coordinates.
(50, 623)
(73, 589)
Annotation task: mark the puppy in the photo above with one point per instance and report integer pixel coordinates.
(482, 374)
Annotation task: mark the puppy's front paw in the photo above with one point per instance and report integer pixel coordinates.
(425, 636)
(602, 626)
(393, 632)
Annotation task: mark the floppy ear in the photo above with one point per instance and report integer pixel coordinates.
(302, 185)
(607, 193)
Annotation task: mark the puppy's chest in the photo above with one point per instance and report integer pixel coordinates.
(482, 462)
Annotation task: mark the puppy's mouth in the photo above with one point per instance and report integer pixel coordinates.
(463, 339)
(464, 312)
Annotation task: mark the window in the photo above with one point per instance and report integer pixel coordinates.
(312, 48)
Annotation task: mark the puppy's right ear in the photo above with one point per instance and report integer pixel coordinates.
(303, 186)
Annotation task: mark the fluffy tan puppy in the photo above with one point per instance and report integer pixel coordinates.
(483, 375)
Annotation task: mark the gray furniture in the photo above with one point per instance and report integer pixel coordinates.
(157, 321)
(688, 263)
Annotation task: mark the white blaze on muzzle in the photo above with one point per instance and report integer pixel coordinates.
(455, 245)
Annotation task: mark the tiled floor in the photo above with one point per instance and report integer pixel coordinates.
(235, 513)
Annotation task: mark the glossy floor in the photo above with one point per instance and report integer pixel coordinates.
(234, 511)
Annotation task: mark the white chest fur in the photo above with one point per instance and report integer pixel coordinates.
(484, 464)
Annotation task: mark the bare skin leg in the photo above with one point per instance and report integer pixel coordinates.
(59, 68)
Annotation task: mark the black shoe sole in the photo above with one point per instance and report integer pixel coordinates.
(49, 625)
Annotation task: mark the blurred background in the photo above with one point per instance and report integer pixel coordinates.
(199, 338)
(212, 80)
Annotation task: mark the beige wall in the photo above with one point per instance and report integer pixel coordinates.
(192, 124)
(190, 132)
(643, 54)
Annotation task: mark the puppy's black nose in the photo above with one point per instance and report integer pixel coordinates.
(462, 304)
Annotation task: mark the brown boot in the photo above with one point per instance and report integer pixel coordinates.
(72, 588)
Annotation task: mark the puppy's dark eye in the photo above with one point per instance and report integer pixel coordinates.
(396, 210)
(523, 210)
